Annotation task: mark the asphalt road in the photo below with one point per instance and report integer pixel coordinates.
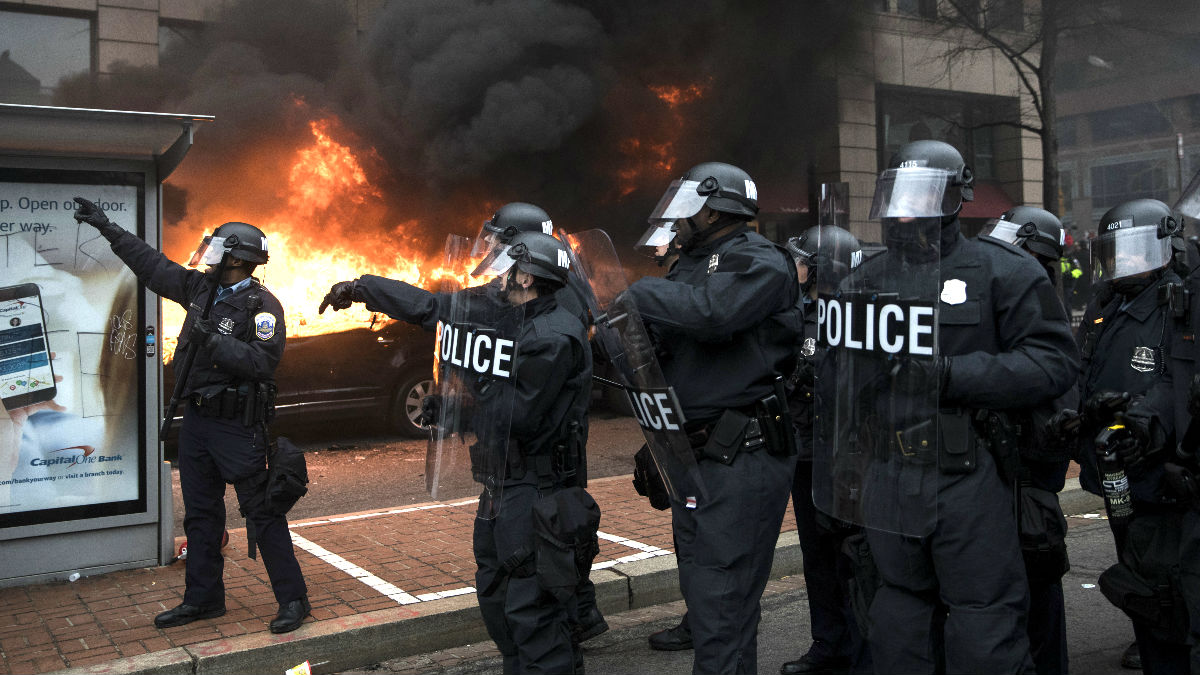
(1097, 632)
(353, 465)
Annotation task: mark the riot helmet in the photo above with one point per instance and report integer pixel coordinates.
(507, 221)
(1035, 230)
(921, 190)
(829, 253)
(724, 188)
(535, 253)
(1132, 241)
(239, 240)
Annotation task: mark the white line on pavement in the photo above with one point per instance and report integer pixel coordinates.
(355, 571)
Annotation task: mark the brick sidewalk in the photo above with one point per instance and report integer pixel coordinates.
(353, 564)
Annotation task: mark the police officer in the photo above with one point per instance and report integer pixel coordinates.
(1131, 345)
(550, 393)
(823, 255)
(962, 587)
(229, 394)
(726, 319)
(1044, 460)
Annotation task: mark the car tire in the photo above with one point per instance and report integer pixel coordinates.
(406, 404)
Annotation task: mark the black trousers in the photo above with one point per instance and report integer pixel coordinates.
(1047, 624)
(834, 632)
(528, 625)
(725, 547)
(213, 452)
(970, 565)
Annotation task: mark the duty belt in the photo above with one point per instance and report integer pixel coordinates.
(224, 405)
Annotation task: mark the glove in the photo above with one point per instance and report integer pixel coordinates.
(340, 296)
(1062, 431)
(1101, 408)
(920, 375)
(93, 215)
(431, 409)
(1147, 440)
(202, 333)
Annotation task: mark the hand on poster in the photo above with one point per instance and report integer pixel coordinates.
(11, 430)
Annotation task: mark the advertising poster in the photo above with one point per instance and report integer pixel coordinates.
(71, 359)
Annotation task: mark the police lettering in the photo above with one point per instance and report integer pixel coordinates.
(655, 409)
(866, 323)
(475, 350)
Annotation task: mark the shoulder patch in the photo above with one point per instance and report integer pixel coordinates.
(264, 325)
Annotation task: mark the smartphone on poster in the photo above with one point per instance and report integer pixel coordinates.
(26, 375)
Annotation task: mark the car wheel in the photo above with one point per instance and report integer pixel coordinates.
(406, 405)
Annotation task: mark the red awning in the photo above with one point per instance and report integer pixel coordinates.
(990, 201)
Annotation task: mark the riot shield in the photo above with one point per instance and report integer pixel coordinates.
(470, 411)
(876, 423)
(833, 204)
(622, 335)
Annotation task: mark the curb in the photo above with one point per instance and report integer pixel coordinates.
(357, 641)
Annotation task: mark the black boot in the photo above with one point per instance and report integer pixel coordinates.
(590, 626)
(291, 615)
(185, 614)
(672, 639)
(1132, 658)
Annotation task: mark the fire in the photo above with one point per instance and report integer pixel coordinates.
(302, 267)
(655, 160)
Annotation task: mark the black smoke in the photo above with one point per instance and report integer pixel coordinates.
(468, 104)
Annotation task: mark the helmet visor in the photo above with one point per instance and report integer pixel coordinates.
(681, 200)
(915, 192)
(495, 263)
(486, 240)
(210, 252)
(1129, 251)
(658, 235)
(1004, 230)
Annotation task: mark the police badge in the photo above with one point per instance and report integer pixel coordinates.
(226, 326)
(809, 347)
(1143, 360)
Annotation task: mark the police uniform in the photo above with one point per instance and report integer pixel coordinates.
(1000, 322)
(727, 320)
(550, 390)
(835, 634)
(1135, 346)
(216, 446)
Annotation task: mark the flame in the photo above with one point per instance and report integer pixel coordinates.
(302, 267)
(655, 160)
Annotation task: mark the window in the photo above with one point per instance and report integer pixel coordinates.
(968, 122)
(1113, 184)
(172, 34)
(1143, 119)
(37, 51)
(926, 9)
(1068, 132)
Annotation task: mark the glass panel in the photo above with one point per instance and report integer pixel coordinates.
(37, 51)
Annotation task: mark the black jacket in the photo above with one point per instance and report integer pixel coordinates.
(552, 367)
(1129, 348)
(726, 320)
(251, 321)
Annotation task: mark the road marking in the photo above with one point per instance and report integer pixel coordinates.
(391, 591)
(376, 514)
(355, 571)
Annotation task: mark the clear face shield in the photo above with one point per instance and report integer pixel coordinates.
(210, 252)
(915, 192)
(496, 263)
(1003, 230)
(656, 242)
(486, 240)
(680, 201)
(1129, 251)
